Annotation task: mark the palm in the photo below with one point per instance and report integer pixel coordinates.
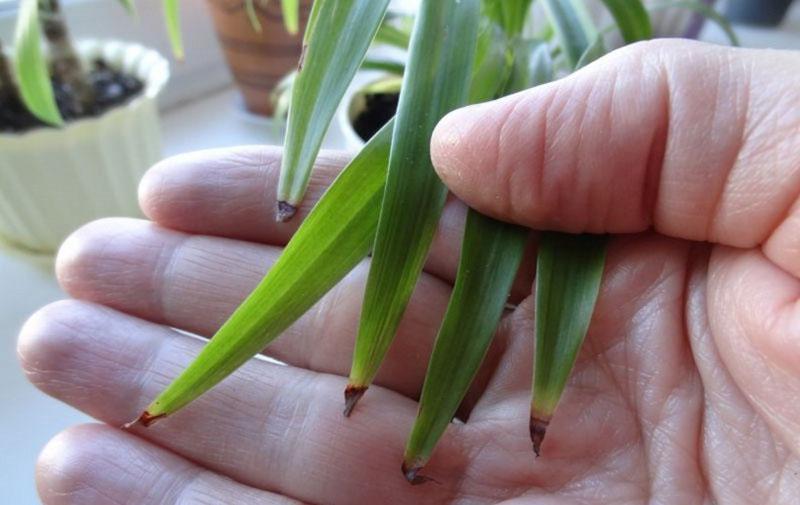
(654, 411)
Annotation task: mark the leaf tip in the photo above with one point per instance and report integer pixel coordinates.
(146, 419)
(351, 396)
(285, 212)
(538, 429)
(411, 473)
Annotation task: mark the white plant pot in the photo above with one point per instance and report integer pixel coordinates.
(351, 106)
(53, 180)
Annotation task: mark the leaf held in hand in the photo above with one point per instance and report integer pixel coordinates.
(332, 53)
(436, 82)
(332, 240)
(568, 273)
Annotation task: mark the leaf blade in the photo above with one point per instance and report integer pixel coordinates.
(30, 65)
(569, 269)
(632, 19)
(436, 81)
(172, 17)
(344, 222)
(290, 9)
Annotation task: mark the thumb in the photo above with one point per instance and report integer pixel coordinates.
(698, 141)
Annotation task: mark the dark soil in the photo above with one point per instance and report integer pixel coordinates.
(111, 88)
(380, 108)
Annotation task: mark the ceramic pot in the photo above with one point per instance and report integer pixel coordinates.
(53, 180)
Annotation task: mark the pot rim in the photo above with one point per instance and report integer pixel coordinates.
(145, 63)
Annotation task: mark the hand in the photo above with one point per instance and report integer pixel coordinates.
(686, 391)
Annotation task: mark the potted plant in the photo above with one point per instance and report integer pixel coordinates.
(388, 200)
(261, 44)
(78, 127)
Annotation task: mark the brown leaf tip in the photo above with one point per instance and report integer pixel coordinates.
(146, 419)
(351, 396)
(538, 429)
(411, 473)
(286, 211)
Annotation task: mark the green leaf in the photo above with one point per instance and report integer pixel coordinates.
(705, 11)
(490, 257)
(291, 15)
(492, 64)
(392, 35)
(572, 27)
(568, 273)
(31, 67)
(436, 81)
(632, 19)
(333, 239)
(333, 51)
(393, 67)
(532, 65)
(509, 14)
(129, 6)
(252, 15)
(172, 17)
(592, 53)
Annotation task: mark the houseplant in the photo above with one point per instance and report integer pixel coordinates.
(388, 199)
(79, 128)
(261, 43)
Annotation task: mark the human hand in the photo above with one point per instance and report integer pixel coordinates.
(687, 389)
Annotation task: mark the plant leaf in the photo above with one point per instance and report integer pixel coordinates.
(390, 66)
(332, 240)
(291, 15)
(172, 17)
(333, 51)
(571, 25)
(704, 10)
(129, 6)
(392, 35)
(592, 53)
(568, 273)
(31, 67)
(510, 14)
(252, 15)
(436, 81)
(532, 65)
(490, 257)
(632, 19)
(492, 64)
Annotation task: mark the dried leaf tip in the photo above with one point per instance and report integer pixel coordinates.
(285, 212)
(146, 419)
(411, 473)
(351, 396)
(538, 429)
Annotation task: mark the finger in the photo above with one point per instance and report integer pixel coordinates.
(268, 426)
(196, 282)
(222, 192)
(754, 317)
(698, 141)
(97, 464)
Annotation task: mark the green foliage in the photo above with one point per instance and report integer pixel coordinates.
(333, 51)
(31, 66)
(632, 19)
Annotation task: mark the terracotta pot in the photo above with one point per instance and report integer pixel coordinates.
(258, 61)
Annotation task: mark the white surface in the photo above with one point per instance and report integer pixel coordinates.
(29, 418)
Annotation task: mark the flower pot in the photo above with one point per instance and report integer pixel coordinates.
(53, 180)
(757, 12)
(258, 61)
(352, 106)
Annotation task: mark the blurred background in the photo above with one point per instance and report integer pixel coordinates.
(221, 93)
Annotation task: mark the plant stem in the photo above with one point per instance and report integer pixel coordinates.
(65, 64)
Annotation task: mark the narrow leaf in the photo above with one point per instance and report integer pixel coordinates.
(172, 17)
(291, 15)
(393, 67)
(592, 53)
(568, 273)
(510, 14)
(492, 64)
(632, 19)
(252, 15)
(129, 6)
(31, 66)
(570, 24)
(333, 51)
(704, 10)
(332, 240)
(436, 81)
(490, 257)
(392, 35)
